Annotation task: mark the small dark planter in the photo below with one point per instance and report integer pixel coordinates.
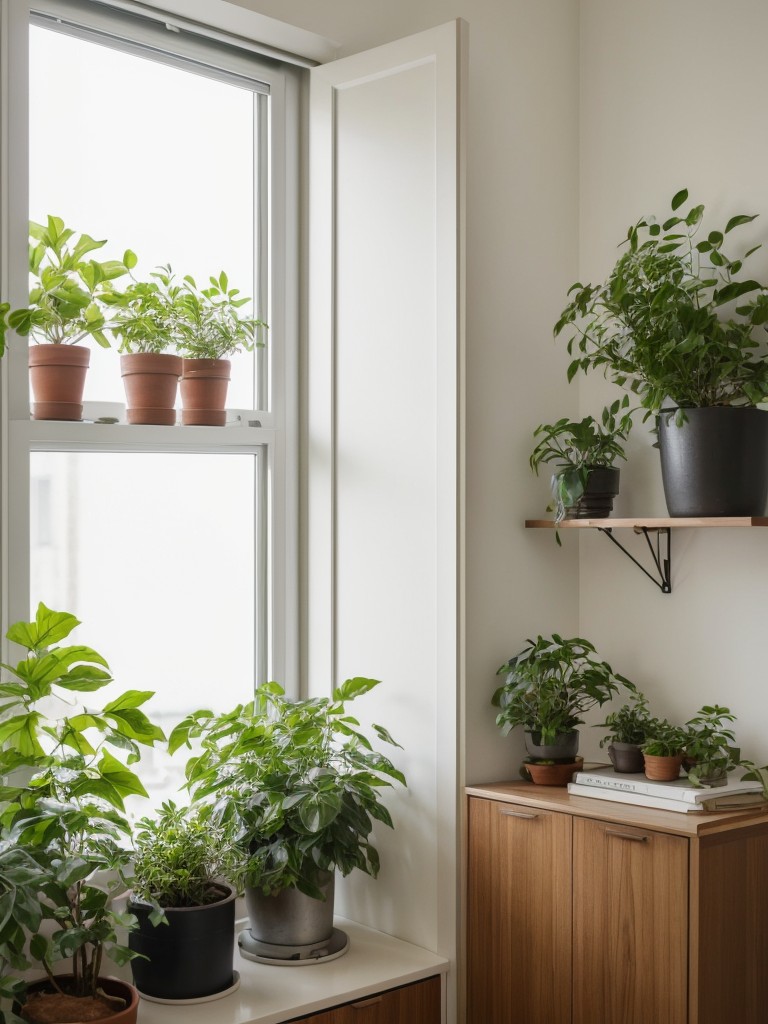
(597, 500)
(191, 956)
(626, 758)
(716, 463)
(563, 749)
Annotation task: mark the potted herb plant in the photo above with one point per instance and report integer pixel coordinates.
(64, 308)
(548, 687)
(663, 750)
(210, 327)
(68, 816)
(585, 480)
(628, 728)
(710, 752)
(185, 933)
(299, 784)
(676, 324)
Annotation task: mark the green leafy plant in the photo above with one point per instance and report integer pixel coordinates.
(664, 739)
(551, 684)
(22, 915)
(208, 322)
(663, 324)
(145, 313)
(65, 300)
(630, 724)
(710, 744)
(178, 855)
(297, 783)
(69, 818)
(577, 448)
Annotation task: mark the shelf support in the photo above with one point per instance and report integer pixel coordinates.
(663, 562)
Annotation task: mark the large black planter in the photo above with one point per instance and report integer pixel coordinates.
(564, 747)
(190, 957)
(597, 500)
(716, 463)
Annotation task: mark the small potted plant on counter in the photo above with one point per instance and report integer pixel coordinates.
(628, 728)
(710, 752)
(547, 689)
(585, 480)
(663, 750)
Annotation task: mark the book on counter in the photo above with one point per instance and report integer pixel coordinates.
(711, 802)
(679, 789)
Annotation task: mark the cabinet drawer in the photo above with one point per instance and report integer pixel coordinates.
(418, 1003)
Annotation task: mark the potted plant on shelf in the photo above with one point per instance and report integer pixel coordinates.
(64, 308)
(299, 786)
(663, 750)
(628, 728)
(68, 815)
(210, 327)
(144, 320)
(185, 933)
(710, 752)
(547, 689)
(585, 480)
(664, 326)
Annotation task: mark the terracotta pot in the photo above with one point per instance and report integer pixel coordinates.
(553, 774)
(151, 380)
(42, 991)
(662, 769)
(57, 374)
(204, 384)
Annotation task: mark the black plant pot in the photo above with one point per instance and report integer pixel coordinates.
(191, 956)
(626, 758)
(597, 500)
(716, 463)
(563, 748)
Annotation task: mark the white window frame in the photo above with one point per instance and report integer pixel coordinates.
(274, 436)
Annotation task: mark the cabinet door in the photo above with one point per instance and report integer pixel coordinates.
(630, 925)
(411, 1004)
(519, 915)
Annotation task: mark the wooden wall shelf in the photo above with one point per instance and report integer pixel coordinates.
(660, 527)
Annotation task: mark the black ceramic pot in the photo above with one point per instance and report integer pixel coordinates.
(626, 757)
(564, 747)
(716, 463)
(597, 500)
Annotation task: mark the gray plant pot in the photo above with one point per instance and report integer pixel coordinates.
(626, 758)
(289, 918)
(564, 748)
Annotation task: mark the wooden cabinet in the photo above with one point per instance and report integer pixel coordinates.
(418, 1003)
(589, 912)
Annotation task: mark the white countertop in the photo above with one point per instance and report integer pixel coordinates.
(272, 995)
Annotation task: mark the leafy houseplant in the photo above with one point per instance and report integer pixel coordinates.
(664, 326)
(185, 913)
(663, 750)
(709, 748)
(548, 687)
(584, 452)
(298, 784)
(69, 816)
(628, 728)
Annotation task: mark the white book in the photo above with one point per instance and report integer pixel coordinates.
(679, 789)
(621, 796)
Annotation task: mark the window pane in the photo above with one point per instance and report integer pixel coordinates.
(154, 553)
(153, 158)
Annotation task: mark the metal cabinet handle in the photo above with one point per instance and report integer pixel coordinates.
(626, 835)
(367, 1002)
(519, 814)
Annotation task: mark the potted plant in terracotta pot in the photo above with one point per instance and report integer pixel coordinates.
(676, 324)
(185, 932)
(210, 327)
(299, 784)
(663, 750)
(628, 728)
(64, 309)
(710, 751)
(68, 814)
(585, 480)
(547, 689)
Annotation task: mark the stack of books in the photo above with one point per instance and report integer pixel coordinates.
(680, 795)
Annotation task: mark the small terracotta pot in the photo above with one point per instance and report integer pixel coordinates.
(204, 384)
(151, 381)
(553, 774)
(662, 769)
(57, 374)
(112, 986)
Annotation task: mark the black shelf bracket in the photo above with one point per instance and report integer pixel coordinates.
(662, 562)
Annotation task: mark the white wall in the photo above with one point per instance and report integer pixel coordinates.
(673, 95)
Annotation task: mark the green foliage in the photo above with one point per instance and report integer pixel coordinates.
(658, 325)
(145, 313)
(65, 300)
(66, 817)
(663, 739)
(710, 743)
(551, 684)
(577, 448)
(177, 857)
(296, 782)
(630, 724)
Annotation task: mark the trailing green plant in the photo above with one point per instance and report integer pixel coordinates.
(577, 448)
(663, 324)
(208, 321)
(664, 739)
(67, 814)
(551, 684)
(296, 781)
(630, 724)
(710, 744)
(178, 855)
(65, 299)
